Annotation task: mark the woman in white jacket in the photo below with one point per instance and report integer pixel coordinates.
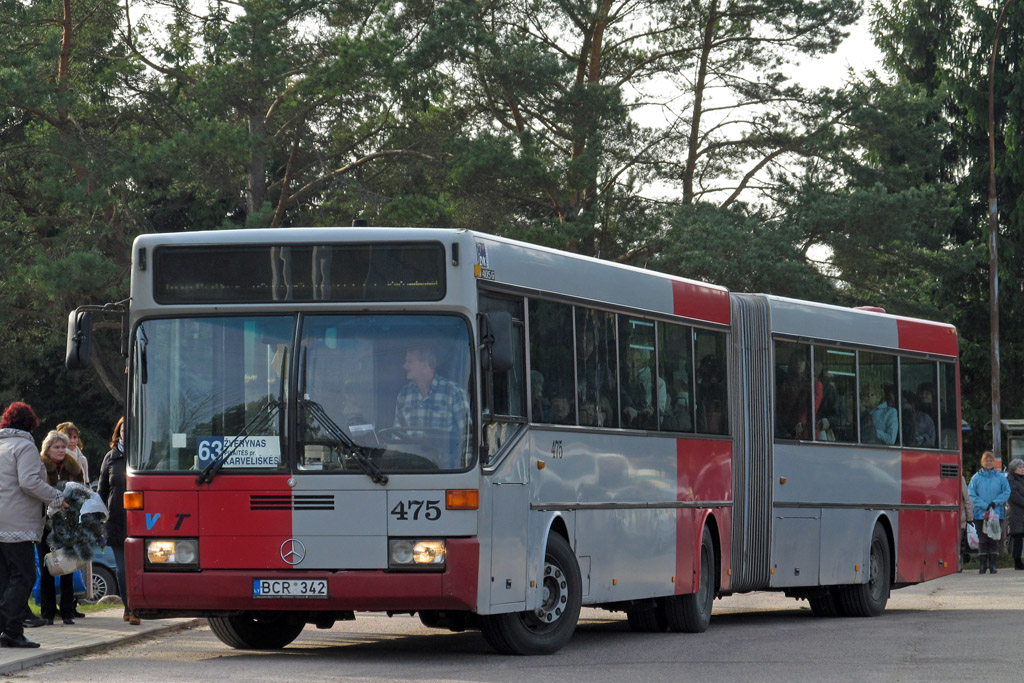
(22, 487)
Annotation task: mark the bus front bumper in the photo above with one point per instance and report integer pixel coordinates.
(220, 591)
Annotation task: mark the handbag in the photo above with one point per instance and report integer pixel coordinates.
(992, 528)
(972, 536)
(59, 563)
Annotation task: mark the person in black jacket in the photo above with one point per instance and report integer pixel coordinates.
(112, 485)
(1015, 477)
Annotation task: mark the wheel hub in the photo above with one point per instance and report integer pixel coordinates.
(554, 595)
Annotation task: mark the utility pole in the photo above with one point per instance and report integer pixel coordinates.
(993, 235)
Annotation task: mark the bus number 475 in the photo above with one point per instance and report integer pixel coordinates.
(430, 509)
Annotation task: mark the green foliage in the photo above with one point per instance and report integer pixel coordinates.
(664, 134)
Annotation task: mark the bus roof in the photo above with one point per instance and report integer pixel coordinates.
(825, 321)
(511, 263)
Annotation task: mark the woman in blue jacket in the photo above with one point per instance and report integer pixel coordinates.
(989, 491)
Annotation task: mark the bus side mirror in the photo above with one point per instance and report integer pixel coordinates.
(79, 351)
(496, 337)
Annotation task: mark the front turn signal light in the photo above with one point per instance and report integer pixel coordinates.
(133, 500)
(461, 499)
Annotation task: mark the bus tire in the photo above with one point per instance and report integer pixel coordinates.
(256, 631)
(829, 604)
(692, 613)
(647, 619)
(549, 627)
(869, 599)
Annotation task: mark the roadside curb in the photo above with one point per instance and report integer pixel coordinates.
(35, 657)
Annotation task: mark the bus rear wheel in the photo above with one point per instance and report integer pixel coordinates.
(546, 629)
(256, 631)
(869, 599)
(692, 613)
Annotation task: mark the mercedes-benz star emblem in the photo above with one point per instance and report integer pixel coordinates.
(292, 551)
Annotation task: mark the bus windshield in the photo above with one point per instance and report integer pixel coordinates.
(390, 389)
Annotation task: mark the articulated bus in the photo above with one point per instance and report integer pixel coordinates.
(490, 435)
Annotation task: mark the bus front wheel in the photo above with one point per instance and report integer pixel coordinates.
(256, 631)
(546, 629)
(692, 613)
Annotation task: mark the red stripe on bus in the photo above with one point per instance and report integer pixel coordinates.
(703, 474)
(700, 302)
(927, 337)
(928, 539)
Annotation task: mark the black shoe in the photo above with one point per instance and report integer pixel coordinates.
(78, 615)
(48, 620)
(33, 622)
(19, 641)
(68, 621)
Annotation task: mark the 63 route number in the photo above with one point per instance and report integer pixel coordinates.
(429, 510)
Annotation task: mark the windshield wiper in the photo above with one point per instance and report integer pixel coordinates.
(359, 453)
(259, 421)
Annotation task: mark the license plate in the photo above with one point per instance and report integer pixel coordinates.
(289, 588)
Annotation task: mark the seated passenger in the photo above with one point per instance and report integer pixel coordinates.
(430, 401)
(879, 404)
(561, 411)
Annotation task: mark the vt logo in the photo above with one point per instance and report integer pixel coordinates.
(151, 520)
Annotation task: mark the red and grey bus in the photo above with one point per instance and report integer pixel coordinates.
(491, 434)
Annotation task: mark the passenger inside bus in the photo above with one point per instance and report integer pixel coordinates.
(918, 427)
(561, 410)
(595, 367)
(711, 396)
(794, 395)
(540, 404)
(435, 403)
(880, 414)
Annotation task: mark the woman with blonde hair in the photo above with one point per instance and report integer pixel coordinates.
(989, 490)
(59, 467)
(75, 446)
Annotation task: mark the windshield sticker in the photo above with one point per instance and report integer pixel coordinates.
(252, 451)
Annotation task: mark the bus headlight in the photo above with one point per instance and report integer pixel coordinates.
(409, 553)
(172, 553)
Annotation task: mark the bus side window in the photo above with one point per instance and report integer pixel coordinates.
(675, 360)
(509, 387)
(949, 425)
(879, 420)
(919, 403)
(712, 391)
(552, 384)
(835, 371)
(793, 395)
(596, 367)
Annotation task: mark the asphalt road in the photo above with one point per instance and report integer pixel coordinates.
(958, 628)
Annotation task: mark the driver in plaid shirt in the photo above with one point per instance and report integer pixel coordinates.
(429, 401)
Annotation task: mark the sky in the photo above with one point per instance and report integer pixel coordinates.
(857, 51)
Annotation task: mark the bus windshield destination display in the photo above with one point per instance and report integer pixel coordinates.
(302, 272)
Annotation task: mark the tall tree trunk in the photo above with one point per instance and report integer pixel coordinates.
(698, 103)
(256, 184)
